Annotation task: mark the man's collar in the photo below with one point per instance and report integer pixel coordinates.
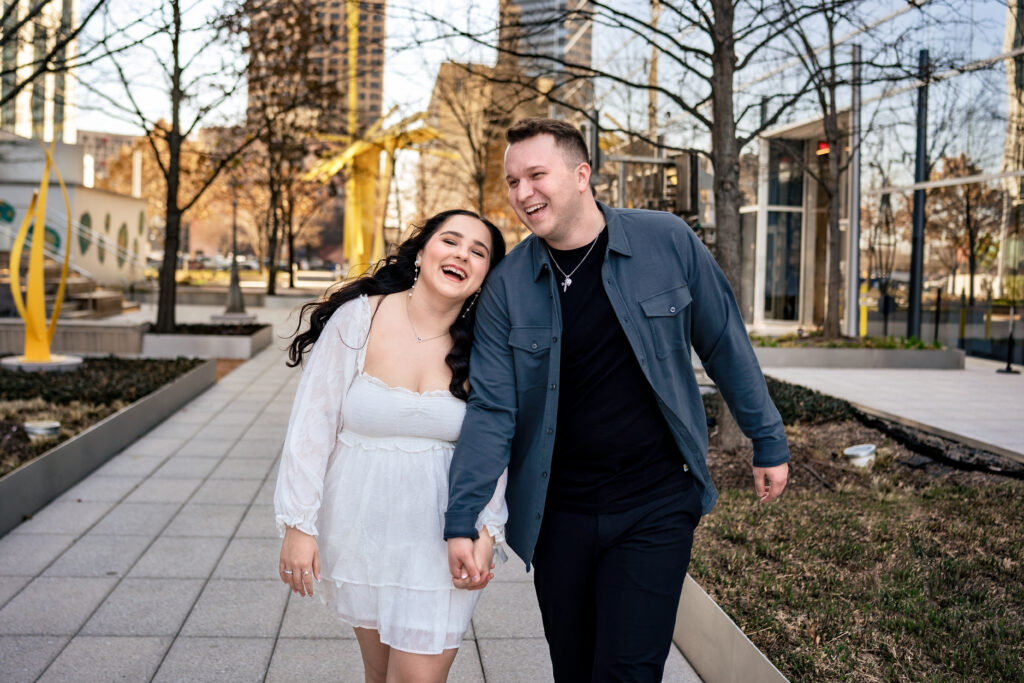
(617, 241)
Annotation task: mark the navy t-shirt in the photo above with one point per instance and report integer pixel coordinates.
(613, 448)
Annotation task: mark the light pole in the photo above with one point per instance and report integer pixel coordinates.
(236, 302)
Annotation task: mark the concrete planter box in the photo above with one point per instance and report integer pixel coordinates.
(206, 345)
(121, 337)
(28, 488)
(928, 359)
(202, 296)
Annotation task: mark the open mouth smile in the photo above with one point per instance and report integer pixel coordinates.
(531, 210)
(454, 272)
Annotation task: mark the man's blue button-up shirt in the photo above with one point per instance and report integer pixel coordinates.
(668, 294)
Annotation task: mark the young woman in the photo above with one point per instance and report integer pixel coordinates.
(363, 483)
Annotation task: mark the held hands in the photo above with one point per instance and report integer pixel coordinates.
(300, 561)
(769, 481)
(470, 561)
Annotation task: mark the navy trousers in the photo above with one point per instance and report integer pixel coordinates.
(608, 587)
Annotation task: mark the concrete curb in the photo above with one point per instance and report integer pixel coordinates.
(206, 345)
(808, 357)
(28, 488)
(714, 645)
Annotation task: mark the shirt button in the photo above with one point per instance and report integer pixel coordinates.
(538, 515)
(544, 474)
(550, 430)
(554, 339)
(533, 346)
(554, 386)
(671, 309)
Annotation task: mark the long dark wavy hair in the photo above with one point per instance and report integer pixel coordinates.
(396, 274)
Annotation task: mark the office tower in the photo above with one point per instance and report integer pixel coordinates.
(320, 66)
(550, 39)
(42, 108)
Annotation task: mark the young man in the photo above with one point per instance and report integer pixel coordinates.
(582, 384)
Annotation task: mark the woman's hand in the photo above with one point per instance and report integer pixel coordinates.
(483, 556)
(300, 561)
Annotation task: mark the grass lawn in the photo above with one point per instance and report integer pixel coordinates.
(913, 571)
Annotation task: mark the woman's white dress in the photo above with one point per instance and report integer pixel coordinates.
(365, 469)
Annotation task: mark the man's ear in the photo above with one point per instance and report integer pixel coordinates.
(583, 177)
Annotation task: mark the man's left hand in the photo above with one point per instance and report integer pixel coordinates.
(769, 481)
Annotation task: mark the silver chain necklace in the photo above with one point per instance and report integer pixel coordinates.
(416, 334)
(568, 276)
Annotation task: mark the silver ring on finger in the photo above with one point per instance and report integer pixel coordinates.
(287, 571)
(306, 573)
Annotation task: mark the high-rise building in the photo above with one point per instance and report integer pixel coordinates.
(1011, 238)
(551, 39)
(43, 108)
(324, 63)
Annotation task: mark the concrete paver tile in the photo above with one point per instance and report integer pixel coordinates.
(28, 554)
(243, 468)
(467, 667)
(174, 430)
(266, 492)
(180, 557)
(236, 416)
(98, 659)
(53, 606)
(201, 519)
(515, 660)
(513, 571)
(164, 491)
(145, 607)
(127, 465)
(216, 660)
(99, 490)
(63, 518)
(238, 609)
(265, 431)
(227, 491)
(257, 448)
(677, 669)
(10, 585)
(189, 415)
(258, 523)
(215, 430)
(322, 660)
(185, 467)
(99, 555)
(136, 519)
(311, 618)
(206, 448)
(23, 658)
(250, 558)
(154, 446)
(507, 610)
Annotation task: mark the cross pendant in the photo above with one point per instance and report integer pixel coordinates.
(565, 284)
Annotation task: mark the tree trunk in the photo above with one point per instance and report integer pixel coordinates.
(272, 238)
(972, 239)
(725, 156)
(167, 299)
(290, 236)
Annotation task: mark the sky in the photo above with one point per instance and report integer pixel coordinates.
(408, 78)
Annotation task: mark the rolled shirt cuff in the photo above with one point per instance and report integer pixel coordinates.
(770, 452)
(460, 525)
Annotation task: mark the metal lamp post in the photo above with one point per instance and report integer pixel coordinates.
(236, 302)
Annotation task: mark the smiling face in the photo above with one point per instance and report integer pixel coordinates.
(545, 188)
(456, 258)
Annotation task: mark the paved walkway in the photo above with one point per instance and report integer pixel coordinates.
(977, 402)
(162, 564)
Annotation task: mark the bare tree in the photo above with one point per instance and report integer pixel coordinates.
(702, 45)
(195, 80)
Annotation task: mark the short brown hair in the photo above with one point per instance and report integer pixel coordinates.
(567, 136)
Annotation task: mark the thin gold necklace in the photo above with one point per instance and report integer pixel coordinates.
(416, 334)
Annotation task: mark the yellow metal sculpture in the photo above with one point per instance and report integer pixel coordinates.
(365, 193)
(32, 308)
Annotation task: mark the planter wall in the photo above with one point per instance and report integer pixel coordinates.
(930, 359)
(79, 336)
(28, 488)
(205, 345)
(714, 645)
(202, 296)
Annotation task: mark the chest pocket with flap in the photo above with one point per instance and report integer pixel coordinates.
(665, 316)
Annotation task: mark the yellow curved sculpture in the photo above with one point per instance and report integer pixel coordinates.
(32, 309)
